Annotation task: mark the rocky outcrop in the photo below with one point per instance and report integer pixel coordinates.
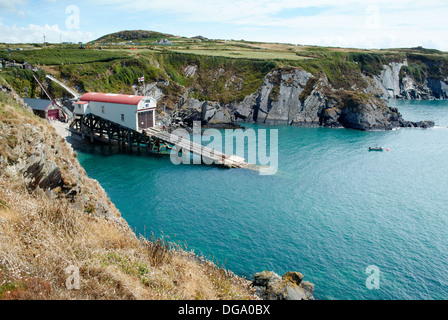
(34, 153)
(364, 112)
(395, 82)
(438, 88)
(295, 97)
(281, 99)
(410, 90)
(389, 80)
(292, 96)
(210, 114)
(153, 89)
(270, 286)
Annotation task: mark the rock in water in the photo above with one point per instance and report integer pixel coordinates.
(294, 97)
(270, 286)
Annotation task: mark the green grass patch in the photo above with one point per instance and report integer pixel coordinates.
(246, 54)
(3, 205)
(112, 76)
(23, 82)
(9, 287)
(417, 71)
(60, 56)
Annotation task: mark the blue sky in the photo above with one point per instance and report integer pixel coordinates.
(342, 23)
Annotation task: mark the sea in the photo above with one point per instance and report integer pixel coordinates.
(358, 224)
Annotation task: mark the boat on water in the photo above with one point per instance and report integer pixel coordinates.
(376, 149)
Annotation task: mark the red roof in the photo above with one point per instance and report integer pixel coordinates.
(112, 98)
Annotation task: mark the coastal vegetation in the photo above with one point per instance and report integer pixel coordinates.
(183, 73)
(216, 70)
(55, 220)
(52, 216)
(126, 56)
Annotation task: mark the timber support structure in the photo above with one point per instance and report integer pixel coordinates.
(152, 140)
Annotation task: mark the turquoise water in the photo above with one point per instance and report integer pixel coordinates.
(332, 210)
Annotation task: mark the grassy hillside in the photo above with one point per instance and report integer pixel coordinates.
(53, 216)
(218, 70)
(142, 36)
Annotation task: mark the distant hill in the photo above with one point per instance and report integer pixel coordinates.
(130, 35)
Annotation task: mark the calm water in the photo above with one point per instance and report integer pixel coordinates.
(332, 210)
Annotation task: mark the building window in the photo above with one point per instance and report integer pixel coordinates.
(102, 109)
(122, 117)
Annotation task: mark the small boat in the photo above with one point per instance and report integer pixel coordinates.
(376, 149)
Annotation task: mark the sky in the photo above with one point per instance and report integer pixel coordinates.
(343, 23)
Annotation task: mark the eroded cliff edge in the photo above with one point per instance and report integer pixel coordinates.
(332, 87)
(295, 97)
(62, 238)
(350, 92)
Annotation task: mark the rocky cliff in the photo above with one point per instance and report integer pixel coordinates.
(295, 97)
(328, 87)
(270, 286)
(400, 81)
(352, 93)
(62, 238)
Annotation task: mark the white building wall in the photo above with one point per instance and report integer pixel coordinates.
(81, 109)
(149, 103)
(146, 103)
(113, 112)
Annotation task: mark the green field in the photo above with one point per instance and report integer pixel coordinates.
(225, 70)
(246, 54)
(59, 54)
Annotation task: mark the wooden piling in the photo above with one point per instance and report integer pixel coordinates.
(154, 140)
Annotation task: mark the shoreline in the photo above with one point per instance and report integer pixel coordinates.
(267, 285)
(61, 128)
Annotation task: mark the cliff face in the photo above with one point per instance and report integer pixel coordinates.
(388, 82)
(396, 81)
(62, 238)
(280, 99)
(296, 97)
(308, 92)
(34, 153)
(355, 99)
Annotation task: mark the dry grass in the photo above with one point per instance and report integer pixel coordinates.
(246, 54)
(40, 238)
(42, 232)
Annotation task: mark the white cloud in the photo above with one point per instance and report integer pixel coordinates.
(10, 4)
(353, 23)
(373, 23)
(230, 10)
(35, 33)
(21, 14)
